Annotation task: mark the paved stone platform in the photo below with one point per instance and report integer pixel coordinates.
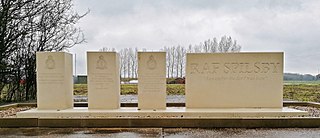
(169, 112)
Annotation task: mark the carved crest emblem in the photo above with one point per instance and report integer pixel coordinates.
(151, 63)
(50, 63)
(101, 63)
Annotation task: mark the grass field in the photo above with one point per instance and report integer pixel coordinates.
(172, 89)
(300, 91)
(301, 82)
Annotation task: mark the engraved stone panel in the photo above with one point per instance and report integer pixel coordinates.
(234, 80)
(103, 80)
(152, 80)
(54, 80)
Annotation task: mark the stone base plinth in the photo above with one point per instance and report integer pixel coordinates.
(169, 112)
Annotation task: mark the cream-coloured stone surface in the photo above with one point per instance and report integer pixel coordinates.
(234, 80)
(152, 80)
(54, 80)
(103, 80)
(170, 112)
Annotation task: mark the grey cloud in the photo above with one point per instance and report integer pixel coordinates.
(292, 26)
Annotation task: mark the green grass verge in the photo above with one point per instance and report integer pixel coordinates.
(301, 82)
(302, 92)
(80, 89)
(129, 89)
(172, 89)
(294, 91)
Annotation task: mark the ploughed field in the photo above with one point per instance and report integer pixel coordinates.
(299, 91)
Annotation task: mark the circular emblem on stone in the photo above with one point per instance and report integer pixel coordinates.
(50, 63)
(101, 63)
(151, 63)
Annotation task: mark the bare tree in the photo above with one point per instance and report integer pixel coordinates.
(226, 44)
(124, 63)
(28, 26)
(133, 60)
(168, 60)
(128, 63)
(182, 61)
(136, 63)
(107, 49)
(213, 45)
(173, 61)
(190, 49)
(177, 60)
(175, 56)
(235, 47)
(121, 54)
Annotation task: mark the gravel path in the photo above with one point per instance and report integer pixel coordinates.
(313, 111)
(134, 98)
(12, 112)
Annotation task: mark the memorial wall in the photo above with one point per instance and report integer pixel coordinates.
(54, 80)
(234, 80)
(152, 80)
(103, 80)
(213, 80)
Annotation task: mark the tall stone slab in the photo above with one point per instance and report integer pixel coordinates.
(152, 80)
(234, 80)
(54, 80)
(103, 80)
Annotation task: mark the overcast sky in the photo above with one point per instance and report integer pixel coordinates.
(292, 26)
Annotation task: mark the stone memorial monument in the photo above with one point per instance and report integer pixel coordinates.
(103, 80)
(222, 85)
(54, 80)
(234, 80)
(152, 80)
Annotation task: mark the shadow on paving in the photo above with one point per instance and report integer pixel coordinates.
(159, 132)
